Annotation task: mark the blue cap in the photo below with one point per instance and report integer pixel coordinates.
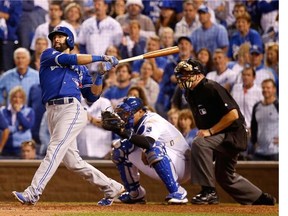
(203, 9)
(256, 49)
(64, 31)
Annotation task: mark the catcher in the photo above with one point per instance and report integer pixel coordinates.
(144, 133)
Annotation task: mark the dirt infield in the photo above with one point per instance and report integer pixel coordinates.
(48, 208)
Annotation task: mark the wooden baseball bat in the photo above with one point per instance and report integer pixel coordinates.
(152, 54)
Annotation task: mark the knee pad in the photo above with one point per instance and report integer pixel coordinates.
(156, 153)
(120, 151)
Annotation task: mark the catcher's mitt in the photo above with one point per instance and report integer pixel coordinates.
(111, 121)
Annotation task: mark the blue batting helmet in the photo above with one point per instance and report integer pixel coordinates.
(129, 107)
(63, 31)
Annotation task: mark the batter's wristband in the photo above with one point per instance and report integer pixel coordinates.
(98, 80)
(96, 58)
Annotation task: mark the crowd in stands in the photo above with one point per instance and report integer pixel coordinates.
(235, 40)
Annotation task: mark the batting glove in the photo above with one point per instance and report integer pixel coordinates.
(112, 59)
(105, 66)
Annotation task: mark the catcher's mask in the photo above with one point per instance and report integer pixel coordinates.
(185, 72)
(129, 107)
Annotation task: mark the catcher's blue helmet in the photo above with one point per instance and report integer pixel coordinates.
(128, 107)
(63, 31)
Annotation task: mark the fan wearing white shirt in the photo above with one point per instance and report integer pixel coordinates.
(247, 94)
(222, 74)
(55, 14)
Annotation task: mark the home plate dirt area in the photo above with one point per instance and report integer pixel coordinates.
(73, 208)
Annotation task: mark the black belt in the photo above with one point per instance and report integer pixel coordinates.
(60, 101)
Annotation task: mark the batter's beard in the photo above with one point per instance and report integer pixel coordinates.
(61, 48)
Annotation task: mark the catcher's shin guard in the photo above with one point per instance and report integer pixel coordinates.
(157, 158)
(128, 172)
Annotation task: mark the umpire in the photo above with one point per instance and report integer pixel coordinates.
(221, 137)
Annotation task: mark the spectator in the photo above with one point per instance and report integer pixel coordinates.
(21, 75)
(168, 82)
(132, 44)
(73, 14)
(55, 19)
(256, 61)
(272, 57)
(20, 119)
(117, 92)
(89, 145)
(189, 22)
(265, 124)
(166, 41)
(222, 74)
(167, 163)
(159, 63)
(4, 130)
(28, 150)
(247, 93)
(168, 16)
(34, 14)
(139, 92)
(173, 116)
(201, 3)
(242, 58)
(209, 35)
(206, 59)
(238, 10)
(145, 81)
(10, 13)
(221, 136)
(40, 45)
(166, 37)
(117, 8)
(244, 34)
(134, 8)
(186, 125)
(99, 28)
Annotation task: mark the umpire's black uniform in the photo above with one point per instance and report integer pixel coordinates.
(209, 102)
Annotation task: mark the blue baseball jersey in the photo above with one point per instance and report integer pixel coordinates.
(60, 76)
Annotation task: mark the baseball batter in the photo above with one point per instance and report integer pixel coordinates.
(63, 79)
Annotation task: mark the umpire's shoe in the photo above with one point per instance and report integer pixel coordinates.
(22, 198)
(206, 196)
(265, 199)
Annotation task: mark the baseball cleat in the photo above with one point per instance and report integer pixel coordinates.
(105, 202)
(177, 198)
(126, 198)
(22, 198)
